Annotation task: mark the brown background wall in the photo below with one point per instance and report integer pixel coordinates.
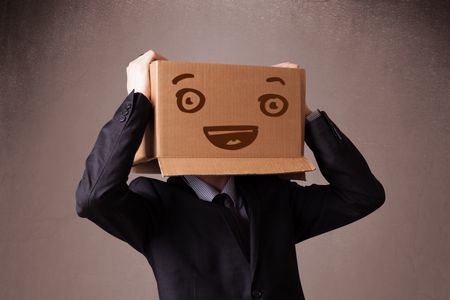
(379, 68)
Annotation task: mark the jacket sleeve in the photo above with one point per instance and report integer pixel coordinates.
(103, 195)
(352, 193)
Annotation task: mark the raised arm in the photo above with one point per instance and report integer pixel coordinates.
(103, 195)
(352, 193)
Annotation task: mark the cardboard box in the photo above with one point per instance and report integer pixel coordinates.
(213, 119)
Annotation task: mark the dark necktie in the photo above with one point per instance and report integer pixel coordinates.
(224, 199)
(240, 226)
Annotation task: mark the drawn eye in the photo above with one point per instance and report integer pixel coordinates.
(190, 100)
(273, 105)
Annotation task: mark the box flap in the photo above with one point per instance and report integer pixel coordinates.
(285, 167)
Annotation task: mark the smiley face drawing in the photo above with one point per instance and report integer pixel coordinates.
(230, 137)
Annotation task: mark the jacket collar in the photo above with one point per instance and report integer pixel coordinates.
(179, 182)
(205, 192)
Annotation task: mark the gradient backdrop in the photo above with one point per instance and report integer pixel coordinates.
(380, 69)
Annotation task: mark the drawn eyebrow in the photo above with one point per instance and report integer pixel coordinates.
(271, 79)
(181, 77)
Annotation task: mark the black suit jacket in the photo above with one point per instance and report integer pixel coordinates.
(187, 242)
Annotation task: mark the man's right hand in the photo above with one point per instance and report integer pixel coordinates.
(138, 73)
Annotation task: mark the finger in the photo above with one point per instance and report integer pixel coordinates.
(287, 65)
(291, 65)
(283, 64)
(151, 55)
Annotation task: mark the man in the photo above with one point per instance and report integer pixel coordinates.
(220, 237)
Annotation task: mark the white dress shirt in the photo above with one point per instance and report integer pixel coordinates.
(206, 192)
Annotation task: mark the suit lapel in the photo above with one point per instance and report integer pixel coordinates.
(251, 196)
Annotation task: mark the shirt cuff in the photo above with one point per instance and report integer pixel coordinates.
(313, 115)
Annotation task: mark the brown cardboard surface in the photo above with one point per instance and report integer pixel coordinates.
(215, 119)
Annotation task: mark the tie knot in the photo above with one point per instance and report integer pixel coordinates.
(223, 199)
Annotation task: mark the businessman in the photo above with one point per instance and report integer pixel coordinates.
(220, 237)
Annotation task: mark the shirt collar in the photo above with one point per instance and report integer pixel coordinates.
(206, 192)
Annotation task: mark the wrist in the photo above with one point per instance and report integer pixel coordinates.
(144, 92)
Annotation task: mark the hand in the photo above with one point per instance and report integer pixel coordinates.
(138, 72)
(291, 65)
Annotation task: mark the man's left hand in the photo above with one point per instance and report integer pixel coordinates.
(291, 65)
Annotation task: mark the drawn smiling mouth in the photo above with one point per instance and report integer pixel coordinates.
(231, 137)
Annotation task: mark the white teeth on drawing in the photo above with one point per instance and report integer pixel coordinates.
(231, 137)
(234, 142)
